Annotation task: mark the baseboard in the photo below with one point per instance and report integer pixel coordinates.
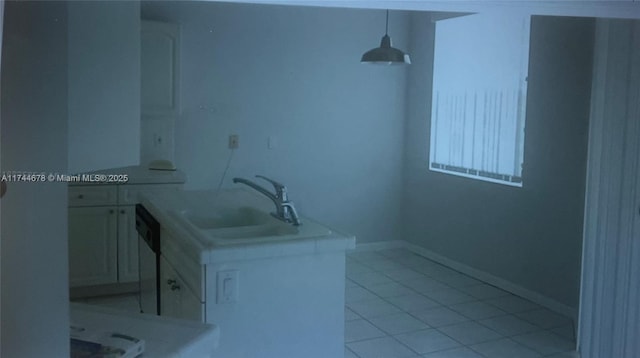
(491, 279)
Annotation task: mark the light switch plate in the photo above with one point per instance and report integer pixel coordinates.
(227, 286)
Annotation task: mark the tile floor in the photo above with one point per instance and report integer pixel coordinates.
(400, 304)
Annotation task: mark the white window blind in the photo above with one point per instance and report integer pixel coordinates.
(479, 97)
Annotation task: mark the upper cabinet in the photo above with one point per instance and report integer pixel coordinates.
(103, 54)
(160, 69)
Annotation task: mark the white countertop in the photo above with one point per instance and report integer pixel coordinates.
(163, 336)
(187, 243)
(141, 175)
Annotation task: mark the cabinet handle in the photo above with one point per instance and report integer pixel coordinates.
(111, 211)
(174, 285)
(80, 196)
(121, 211)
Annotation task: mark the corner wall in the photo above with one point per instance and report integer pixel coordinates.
(529, 236)
(34, 271)
(293, 75)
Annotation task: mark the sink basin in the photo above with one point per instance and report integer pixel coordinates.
(245, 225)
(228, 218)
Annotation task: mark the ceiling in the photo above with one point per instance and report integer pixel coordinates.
(611, 9)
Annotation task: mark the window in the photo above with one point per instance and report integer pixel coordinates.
(479, 97)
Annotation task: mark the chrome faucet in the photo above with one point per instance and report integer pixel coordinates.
(285, 210)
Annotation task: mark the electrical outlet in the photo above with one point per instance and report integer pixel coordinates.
(234, 141)
(227, 286)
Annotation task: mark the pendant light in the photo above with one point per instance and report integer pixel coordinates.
(385, 54)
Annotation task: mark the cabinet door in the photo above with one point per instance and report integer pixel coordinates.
(103, 84)
(159, 56)
(93, 246)
(127, 245)
(176, 299)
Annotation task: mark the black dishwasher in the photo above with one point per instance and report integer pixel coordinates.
(148, 229)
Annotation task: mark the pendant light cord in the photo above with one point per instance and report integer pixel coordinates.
(386, 28)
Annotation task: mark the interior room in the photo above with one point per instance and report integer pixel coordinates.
(474, 194)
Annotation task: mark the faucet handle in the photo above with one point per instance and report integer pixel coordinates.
(281, 189)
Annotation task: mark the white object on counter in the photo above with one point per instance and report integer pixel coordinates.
(161, 164)
(163, 336)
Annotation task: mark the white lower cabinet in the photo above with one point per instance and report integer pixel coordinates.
(177, 299)
(93, 248)
(103, 245)
(127, 244)
(103, 242)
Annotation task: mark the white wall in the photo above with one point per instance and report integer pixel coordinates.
(273, 304)
(104, 84)
(294, 73)
(530, 236)
(35, 313)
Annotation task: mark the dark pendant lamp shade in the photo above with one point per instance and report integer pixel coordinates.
(386, 54)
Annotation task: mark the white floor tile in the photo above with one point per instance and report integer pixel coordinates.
(394, 296)
(349, 315)
(477, 310)
(440, 316)
(359, 330)
(353, 267)
(545, 343)
(348, 353)
(427, 341)
(566, 332)
(369, 278)
(418, 262)
(385, 265)
(413, 303)
(449, 296)
(454, 353)
(427, 284)
(353, 294)
(459, 280)
(512, 304)
(571, 354)
(504, 348)
(544, 318)
(484, 291)
(364, 256)
(373, 308)
(470, 333)
(404, 275)
(386, 347)
(349, 283)
(398, 323)
(399, 253)
(436, 270)
(391, 289)
(509, 325)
